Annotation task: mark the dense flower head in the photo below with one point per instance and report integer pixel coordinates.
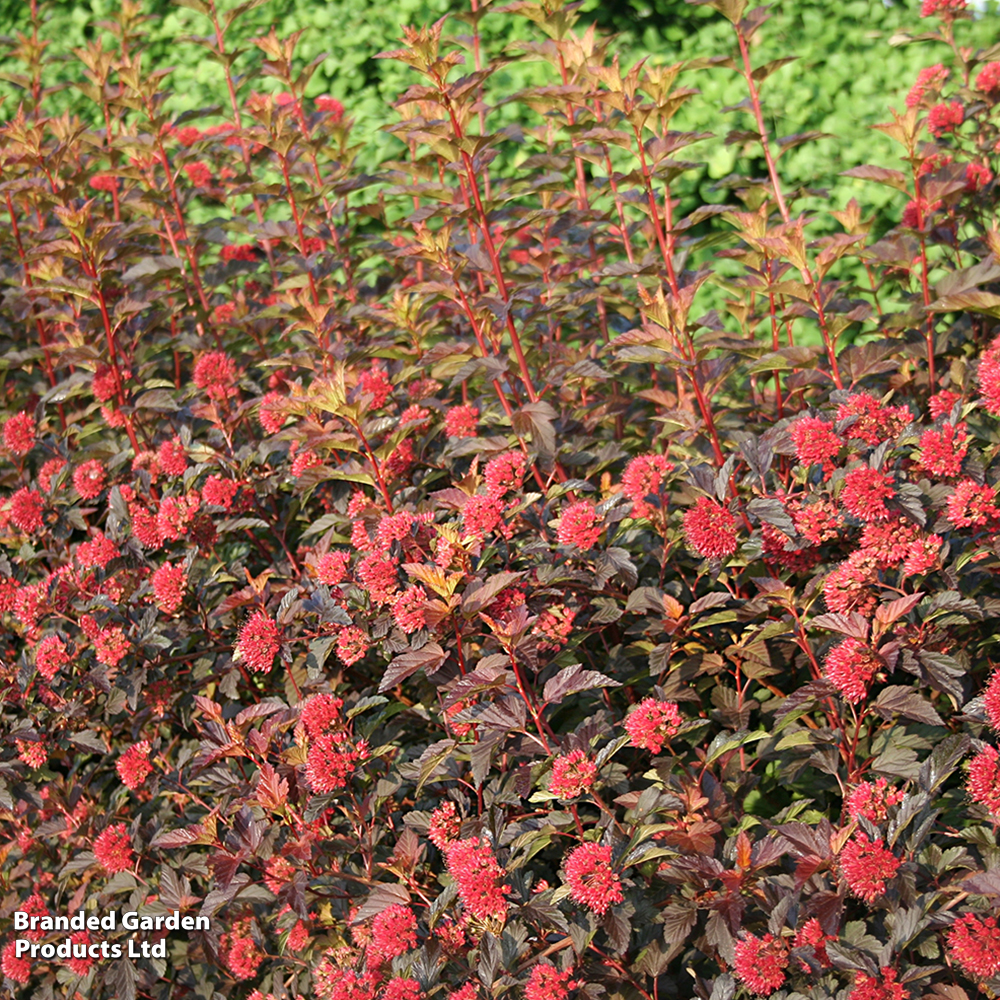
(872, 988)
(331, 567)
(988, 79)
(816, 442)
(241, 954)
(945, 117)
(918, 211)
(546, 982)
(259, 641)
(168, 583)
(330, 761)
(977, 177)
(983, 783)
(943, 451)
(445, 825)
(975, 944)
(352, 644)
(504, 473)
(871, 420)
(479, 878)
(461, 421)
(991, 700)
(710, 529)
(394, 931)
(929, 78)
(17, 969)
(482, 514)
(330, 106)
(110, 644)
(818, 521)
(89, 479)
(943, 8)
(922, 555)
(811, 935)
(972, 504)
(380, 577)
(272, 412)
(572, 774)
(49, 470)
(198, 173)
(942, 403)
(233, 251)
(989, 377)
(865, 492)
(553, 627)
(113, 849)
(278, 873)
(408, 609)
(332, 982)
(26, 509)
(34, 753)
(50, 655)
(19, 434)
(867, 865)
(580, 525)
(320, 713)
(133, 766)
(401, 988)
(172, 457)
(591, 879)
(375, 383)
(97, 551)
(105, 182)
(851, 665)
(219, 491)
(760, 963)
(887, 542)
(872, 800)
(215, 373)
(644, 477)
(651, 724)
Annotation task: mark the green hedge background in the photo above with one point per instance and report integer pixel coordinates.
(843, 80)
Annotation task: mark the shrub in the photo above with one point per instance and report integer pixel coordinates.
(404, 573)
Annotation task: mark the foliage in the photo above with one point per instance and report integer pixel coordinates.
(406, 572)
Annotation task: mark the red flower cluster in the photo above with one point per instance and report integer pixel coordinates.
(445, 825)
(871, 988)
(761, 963)
(873, 800)
(651, 724)
(865, 492)
(943, 8)
(546, 982)
(572, 774)
(19, 434)
(710, 529)
(479, 878)
(867, 865)
(945, 117)
(330, 761)
(644, 478)
(930, 78)
(259, 641)
(394, 931)
(591, 879)
(983, 784)
(815, 442)
(168, 583)
(988, 79)
(113, 849)
(975, 944)
(851, 665)
(580, 526)
(133, 766)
